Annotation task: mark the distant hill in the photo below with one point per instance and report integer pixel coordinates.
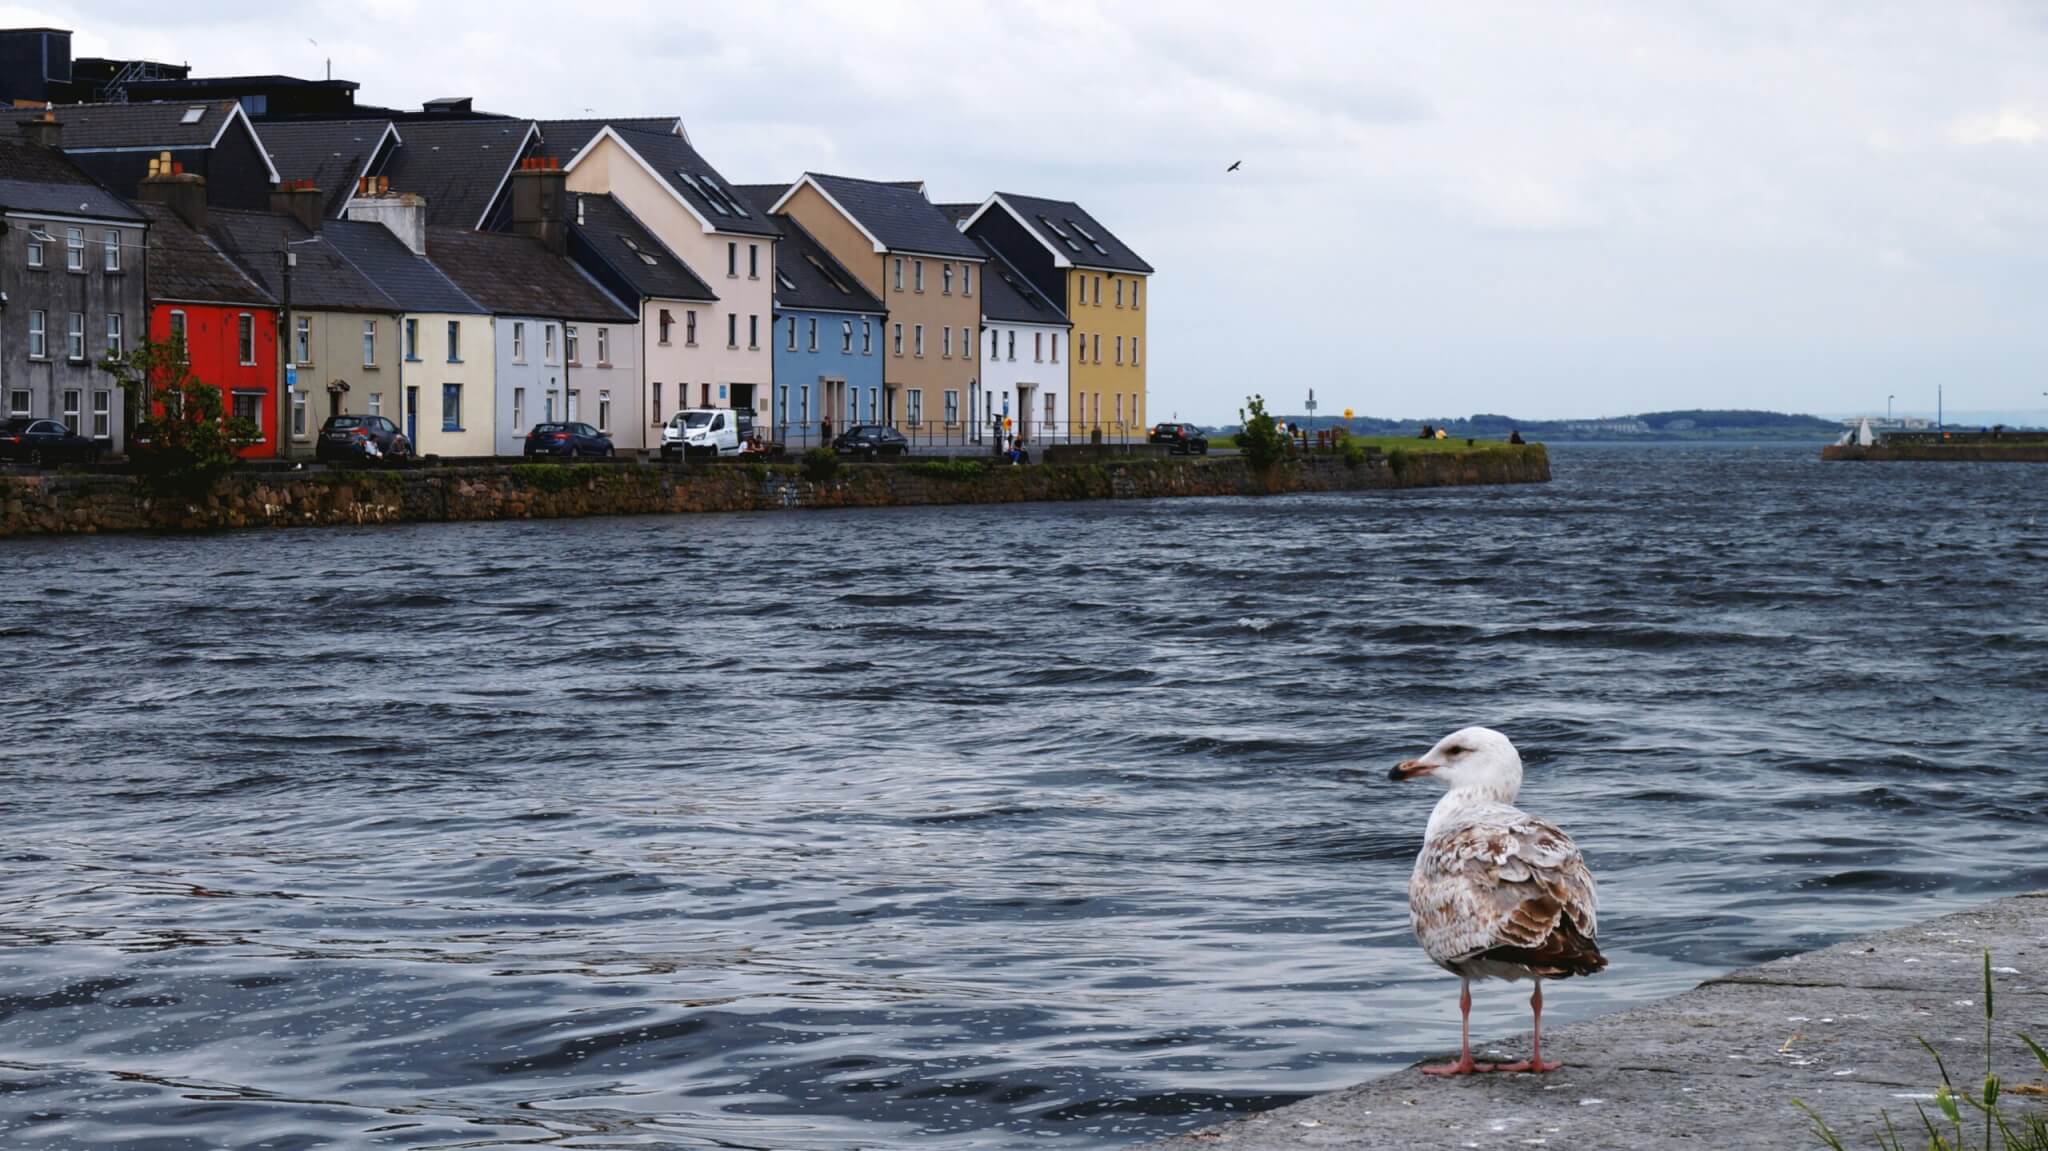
(1688, 424)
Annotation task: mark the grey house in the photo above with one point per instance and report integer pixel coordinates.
(71, 291)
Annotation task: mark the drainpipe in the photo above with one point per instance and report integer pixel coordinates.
(287, 358)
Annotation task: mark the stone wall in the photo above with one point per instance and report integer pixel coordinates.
(63, 503)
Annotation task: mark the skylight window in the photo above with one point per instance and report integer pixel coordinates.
(727, 197)
(193, 114)
(1092, 241)
(645, 257)
(788, 285)
(709, 198)
(1055, 227)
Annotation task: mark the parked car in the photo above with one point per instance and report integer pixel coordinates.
(567, 439)
(364, 438)
(870, 441)
(44, 442)
(701, 432)
(1180, 439)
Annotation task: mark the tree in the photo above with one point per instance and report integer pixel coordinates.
(1259, 438)
(182, 437)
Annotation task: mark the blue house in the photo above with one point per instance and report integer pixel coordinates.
(827, 335)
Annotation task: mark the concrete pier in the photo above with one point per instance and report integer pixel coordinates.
(1720, 1065)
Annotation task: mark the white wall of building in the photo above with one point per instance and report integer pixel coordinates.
(1027, 365)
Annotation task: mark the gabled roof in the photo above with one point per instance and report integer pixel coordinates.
(185, 266)
(1006, 294)
(38, 179)
(517, 276)
(166, 124)
(1067, 230)
(562, 139)
(460, 166)
(806, 275)
(689, 177)
(323, 278)
(894, 215)
(334, 154)
(626, 246)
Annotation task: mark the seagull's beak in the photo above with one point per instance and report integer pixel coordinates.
(1409, 769)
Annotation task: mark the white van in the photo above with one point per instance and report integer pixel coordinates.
(700, 432)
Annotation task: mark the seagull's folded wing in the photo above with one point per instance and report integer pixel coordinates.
(1514, 889)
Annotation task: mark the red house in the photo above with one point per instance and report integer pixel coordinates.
(227, 322)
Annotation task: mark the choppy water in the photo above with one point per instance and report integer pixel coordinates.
(976, 827)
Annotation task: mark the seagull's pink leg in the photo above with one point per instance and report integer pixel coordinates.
(1464, 1065)
(1535, 1061)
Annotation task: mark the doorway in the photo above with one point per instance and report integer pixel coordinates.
(412, 415)
(1024, 412)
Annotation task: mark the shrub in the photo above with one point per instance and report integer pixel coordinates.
(1397, 460)
(1260, 439)
(1351, 452)
(820, 465)
(191, 439)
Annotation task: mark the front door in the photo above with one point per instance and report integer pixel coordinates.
(1024, 413)
(412, 415)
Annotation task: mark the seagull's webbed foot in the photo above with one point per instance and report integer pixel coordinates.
(1464, 1066)
(1538, 1066)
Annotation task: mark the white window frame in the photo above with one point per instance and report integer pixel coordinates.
(369, 343)
(732, 329)
(455, 341)
(180, 334)
(812, 326)
(946, 341)
(547, 343)
(74, 250)
(110, 257)
(245, 338)
(867, 337)
(914, 407)
(302, 339)
(604, 347)
(789, 332)
(899, 273)
(117, 335)
(20, 401)
(571, 345)
(102, 414)
(37, 256)
(967, 279)
(689, 327)
(917, 275)
(74, 409)
(74, 338)
(846, 337)
(946, 279)
(298, 413)
(518, 341)
(411, 336)
(952, 407)
(732, 259)
(896, 339)
(917, 341)
(604, 410)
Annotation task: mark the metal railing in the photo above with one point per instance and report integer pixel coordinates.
(938, 437)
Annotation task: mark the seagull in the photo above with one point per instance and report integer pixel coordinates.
(1234, 166)
(1497, 893)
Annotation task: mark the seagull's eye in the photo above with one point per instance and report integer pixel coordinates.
(1458, 751)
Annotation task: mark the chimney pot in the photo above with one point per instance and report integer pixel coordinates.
(300, 200)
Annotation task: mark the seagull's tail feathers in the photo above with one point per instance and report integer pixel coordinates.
(1564, 952)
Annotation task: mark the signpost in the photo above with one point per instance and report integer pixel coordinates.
(1311, 411)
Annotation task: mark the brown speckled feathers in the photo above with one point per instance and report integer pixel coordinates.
(1499, 890)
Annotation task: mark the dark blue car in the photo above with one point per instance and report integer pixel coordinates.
(41, 443)
(567, 440)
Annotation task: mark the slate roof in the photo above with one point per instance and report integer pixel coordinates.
(620, 239)
(415, 284)
(323, 278)
(693, 178)
(155, 124)
(516, 275)
(185, 266)
(1006, 294)
(333, 154)
(1068, 229)
(898, 215)
(458, 165)
(562, 139)
(806, 274)
(36, 179)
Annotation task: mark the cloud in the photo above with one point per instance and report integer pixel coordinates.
(2005, 126)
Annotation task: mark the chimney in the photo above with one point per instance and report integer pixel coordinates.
(43, 131)
(300, 200)
(169, 184)
(402, 212)
(540, 202)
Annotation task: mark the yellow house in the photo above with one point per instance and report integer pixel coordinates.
(1100, 283)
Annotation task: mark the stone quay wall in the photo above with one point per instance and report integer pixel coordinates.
(1979, 452)
(66, 503)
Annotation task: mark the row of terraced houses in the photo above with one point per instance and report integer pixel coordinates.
(469, 274)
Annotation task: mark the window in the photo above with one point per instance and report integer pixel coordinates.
(732, 259)
(412, 340)
(604, 347)
(667, 322)
(1098, 347)
(74, 337)
(103, 415)
(946, 343)
(569, 343)
(110, 250)
(74, 253)
(654, 412)
(1119, 349)
(1080, 348)
(1134, 294)
(1051, 409)
(518, 409)
(783, 409)
(813, 333)
(690, 328)
(547, 343)
(952, 401)
(967, 279)
(790, 327)
(706, 393)
(17, 402)
(803, 403)
(846, 337)
(753, 331)
(115, 335)
(518, 342)
(1134, 407)
(247, 406)
(895, 338)
(1098, 291)
(302, 340)
(376, 403)
(995, 344)
(604, 411)
(867, 338)
(753, 261)
(945, 279)
(1038, 347)
(874, 404)
(1055, 347)
(451, 407)
(917, 340)
(966, 340)
(916, 410)
(1119, 407)
(1119, 290)
(917, 275)
(71, 410)
(36, 239)
(298, 413)
(455, 341)
(899, 273)
(1134, 349)
(732, 330)
(370, 344)
(1013, 345)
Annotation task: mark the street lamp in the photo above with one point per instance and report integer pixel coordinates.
(1888, 408)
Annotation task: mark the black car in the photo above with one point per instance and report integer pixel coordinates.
(361, 438)
(869, 441)
(568, 440)
(1180, 439)
(44, 442)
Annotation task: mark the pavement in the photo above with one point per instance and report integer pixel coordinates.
(1719, 1066)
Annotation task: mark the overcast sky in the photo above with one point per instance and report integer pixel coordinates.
(1544, 211)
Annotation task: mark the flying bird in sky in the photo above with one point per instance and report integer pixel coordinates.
(1497, 893)
(1234, 165)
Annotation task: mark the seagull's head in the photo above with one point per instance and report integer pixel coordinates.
(1474, 759)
